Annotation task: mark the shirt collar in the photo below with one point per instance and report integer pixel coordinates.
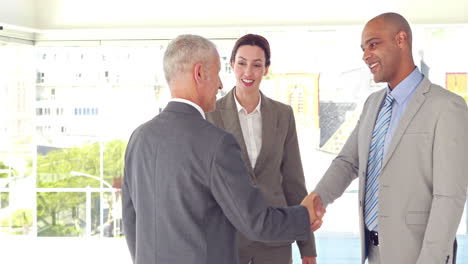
(199, 109)
(240, 107)
(405, 88)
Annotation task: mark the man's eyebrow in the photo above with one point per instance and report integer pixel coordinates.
(367, 42)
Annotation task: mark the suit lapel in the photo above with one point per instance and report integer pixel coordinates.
(269, 126)
(231, 122)
(413, 107)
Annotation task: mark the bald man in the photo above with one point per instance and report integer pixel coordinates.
(409, 151)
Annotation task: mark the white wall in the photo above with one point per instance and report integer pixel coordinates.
(18, 12)
(104, 14)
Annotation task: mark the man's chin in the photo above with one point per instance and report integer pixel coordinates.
(378, 79)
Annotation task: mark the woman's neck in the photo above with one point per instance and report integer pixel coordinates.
(248, 100)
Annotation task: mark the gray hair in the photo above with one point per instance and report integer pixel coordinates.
(183, 52)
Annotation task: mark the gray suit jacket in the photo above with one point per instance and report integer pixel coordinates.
(278, 171)
(186, 191)
(423, 182)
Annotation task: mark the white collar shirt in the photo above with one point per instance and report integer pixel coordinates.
(251, 125)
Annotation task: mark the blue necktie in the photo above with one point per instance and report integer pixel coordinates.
(374, 164)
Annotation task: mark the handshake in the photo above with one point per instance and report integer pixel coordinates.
(314, 205)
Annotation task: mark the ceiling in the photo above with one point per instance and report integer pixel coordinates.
(131, 14)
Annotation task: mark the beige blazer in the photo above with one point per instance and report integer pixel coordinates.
(423, 182)
(278, 171)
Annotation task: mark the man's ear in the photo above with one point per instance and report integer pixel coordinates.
(266, 71)
(198, 72)
(401, 38)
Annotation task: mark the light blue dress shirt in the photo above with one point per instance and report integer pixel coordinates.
(402, 93)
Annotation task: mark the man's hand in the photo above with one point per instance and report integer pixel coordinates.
(314, 205)
(318, 206)
(309, 260)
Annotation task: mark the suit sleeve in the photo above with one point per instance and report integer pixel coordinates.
(128, 215)
(244, 205)
(293, 179)
(139, 161)
(450, 178)
(343, 169)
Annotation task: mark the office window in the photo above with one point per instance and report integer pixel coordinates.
(17, 110)
(65, 123)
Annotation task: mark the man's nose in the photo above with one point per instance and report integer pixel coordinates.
(365, 55)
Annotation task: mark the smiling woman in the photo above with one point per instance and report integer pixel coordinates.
(251, 117)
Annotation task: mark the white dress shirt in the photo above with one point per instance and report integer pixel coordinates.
(402, 93)
(251, 125)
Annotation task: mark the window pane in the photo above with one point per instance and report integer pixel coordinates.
(61, 214)
(17, 111)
